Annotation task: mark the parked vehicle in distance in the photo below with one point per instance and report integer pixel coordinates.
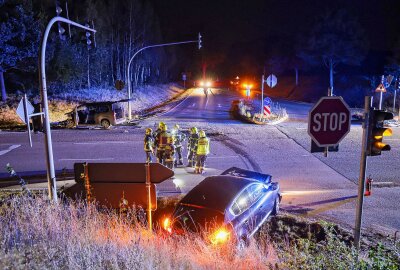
(233, 204)
(103, 114)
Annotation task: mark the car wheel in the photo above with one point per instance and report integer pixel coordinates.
(276, 209)
(70, 124)
(105, 123)
(243, 242)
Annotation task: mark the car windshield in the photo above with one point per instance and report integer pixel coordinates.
(216, 192)
(247, 198)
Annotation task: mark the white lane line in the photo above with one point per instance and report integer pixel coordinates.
(89, 159)
(194, 104)
(3, 152)
(224, 157)
(300, 128)
(104, 142)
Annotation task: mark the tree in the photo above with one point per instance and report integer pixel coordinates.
(336, 38)
(19, 37)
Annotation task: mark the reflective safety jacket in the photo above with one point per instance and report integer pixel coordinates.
(192, 142)
(203, 146)
(179, 137)
(148, 143)
(162, 140)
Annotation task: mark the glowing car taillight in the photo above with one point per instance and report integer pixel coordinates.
(220, 236)
(167, 225)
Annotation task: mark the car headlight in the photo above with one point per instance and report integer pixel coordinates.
(201, 83)
(167, 225)
(208, 84)
(220, 236)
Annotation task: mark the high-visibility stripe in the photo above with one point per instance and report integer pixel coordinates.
(267, 110)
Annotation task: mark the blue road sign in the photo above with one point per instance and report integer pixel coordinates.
(267, 101)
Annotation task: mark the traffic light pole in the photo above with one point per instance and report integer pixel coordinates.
(136, 53)
(51, 176)
(363, 168)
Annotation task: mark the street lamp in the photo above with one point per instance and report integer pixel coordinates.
(142, 49)
(51, 176)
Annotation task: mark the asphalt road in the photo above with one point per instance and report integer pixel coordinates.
(312, 184)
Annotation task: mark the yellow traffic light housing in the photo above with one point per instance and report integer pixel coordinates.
(377, 131)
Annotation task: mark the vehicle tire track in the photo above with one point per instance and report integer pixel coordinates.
(235, 146)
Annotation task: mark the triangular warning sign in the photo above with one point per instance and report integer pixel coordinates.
(380, 88)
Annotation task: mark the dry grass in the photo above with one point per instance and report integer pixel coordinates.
(36, 234)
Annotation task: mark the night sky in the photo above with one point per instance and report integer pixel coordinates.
(239, 34)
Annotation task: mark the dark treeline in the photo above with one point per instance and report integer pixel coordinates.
(122, 27)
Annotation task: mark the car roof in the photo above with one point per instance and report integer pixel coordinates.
(234, 171)
(216, 192)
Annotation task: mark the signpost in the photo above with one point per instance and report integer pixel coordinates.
(329, 121)
(271, 82)
(108, 181)
(184, 79)
(25, 111)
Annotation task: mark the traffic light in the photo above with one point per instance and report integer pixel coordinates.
(200, 41)
(90, 37)
(61, 30)
(377, 131)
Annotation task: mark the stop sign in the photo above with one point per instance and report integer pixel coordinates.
(329, 121)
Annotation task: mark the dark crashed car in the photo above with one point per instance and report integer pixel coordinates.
(233, 204)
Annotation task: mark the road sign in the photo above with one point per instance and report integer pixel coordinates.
(267, 101)
(267, 110)
(183, 77)
(119, 85)
(123, 172)
(271, 81)
(329, 121)
(20, 109)
(381, 88)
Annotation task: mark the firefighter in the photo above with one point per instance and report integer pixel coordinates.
(203, 149)
(179, 137)
(161, 142)
(192, 146)
(169, 153)
(149, 144)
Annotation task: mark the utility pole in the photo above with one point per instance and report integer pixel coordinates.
(51, 176)
(363, 168)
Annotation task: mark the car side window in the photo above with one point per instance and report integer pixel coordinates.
(102, 109)
(247, 198)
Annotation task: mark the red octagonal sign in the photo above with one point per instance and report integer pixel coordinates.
(329, 121)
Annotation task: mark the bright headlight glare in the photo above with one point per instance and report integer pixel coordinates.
(167, 225)
(220, 236)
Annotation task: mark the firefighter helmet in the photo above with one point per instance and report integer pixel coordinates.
(148, 131)
(193, 130)
(202, 134)
(164, 127)
(161, 125)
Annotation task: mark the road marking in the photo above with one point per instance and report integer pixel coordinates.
(392, 139)
(104, 142)
(219, 105)
(194, 104)
(301, 128)
(224, 157)
(14, 146)
(86, 159)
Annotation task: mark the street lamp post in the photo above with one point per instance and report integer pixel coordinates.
(51, 176)
(142, 49)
